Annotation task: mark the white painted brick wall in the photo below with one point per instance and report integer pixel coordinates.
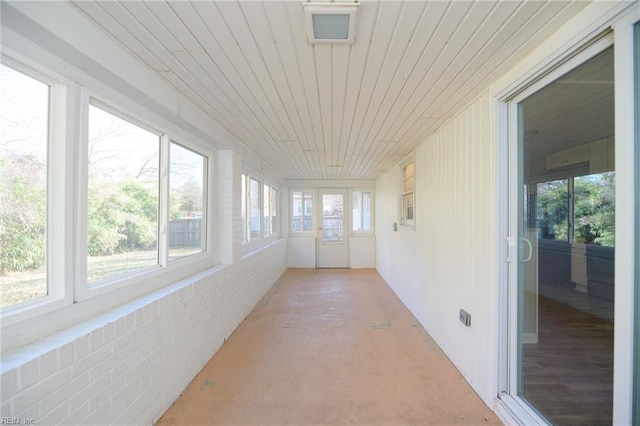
(129, 365)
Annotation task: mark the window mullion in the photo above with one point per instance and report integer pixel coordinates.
(59, 187)
(163, 205)
(570, 210)
(361, 213)
(81, 193)
(247, 196)
(261, 204)
(247, 211)
(206, 220)
(269, 217)
(267, 206)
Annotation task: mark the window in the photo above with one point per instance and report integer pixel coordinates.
(187, 199)
(134, 209)
(270, 211)
(594, 209)
(274, 211)
(302, 209)
(553, 210)
(266, 210)
(333, 218)
(243, 208)
(24, 144)
(254, 209)
(580, 209)
(123, 196)
(361, 211)
(262, 202)
(406, 195)
(125, 202)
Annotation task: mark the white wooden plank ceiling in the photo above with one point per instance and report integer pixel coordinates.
(330, 111)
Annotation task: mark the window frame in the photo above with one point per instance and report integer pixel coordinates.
(274, 196)
(406, 223)
(313, 211)
(85, 289)
(572, 199)
(371, 192)
(268, 205)
(58, 215)
(244, 208)
(69, 298)
(145, 276)
(260, 233)
(266, 208)
(205, 225)
(249, 243)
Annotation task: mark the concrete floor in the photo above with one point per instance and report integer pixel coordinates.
(329, 347)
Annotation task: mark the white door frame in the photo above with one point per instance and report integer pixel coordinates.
(626, 261)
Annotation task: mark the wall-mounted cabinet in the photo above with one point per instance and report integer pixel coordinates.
(598, 154)
(568, 157)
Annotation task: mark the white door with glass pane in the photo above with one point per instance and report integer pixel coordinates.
(333, 236)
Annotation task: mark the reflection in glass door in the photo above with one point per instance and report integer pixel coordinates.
(566, 216)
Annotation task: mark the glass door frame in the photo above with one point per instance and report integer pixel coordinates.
(636, 396)
(626, 263)
(508, 351)
(628, 67)
(636, 80)
(333, 254)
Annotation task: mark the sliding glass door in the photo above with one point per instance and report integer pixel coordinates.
(566, 244)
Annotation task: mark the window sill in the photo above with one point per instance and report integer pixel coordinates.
(15, 354)
(22, 330)
(249, 251)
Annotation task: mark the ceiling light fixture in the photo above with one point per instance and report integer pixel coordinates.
(331, 23)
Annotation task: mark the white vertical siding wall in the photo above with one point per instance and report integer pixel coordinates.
(362, 252)
(301, 252)
(448, 262)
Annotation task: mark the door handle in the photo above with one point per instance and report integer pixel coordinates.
(530, 247)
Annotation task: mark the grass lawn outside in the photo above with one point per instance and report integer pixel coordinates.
(18, 287)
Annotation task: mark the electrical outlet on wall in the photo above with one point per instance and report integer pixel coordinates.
(465, 318)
